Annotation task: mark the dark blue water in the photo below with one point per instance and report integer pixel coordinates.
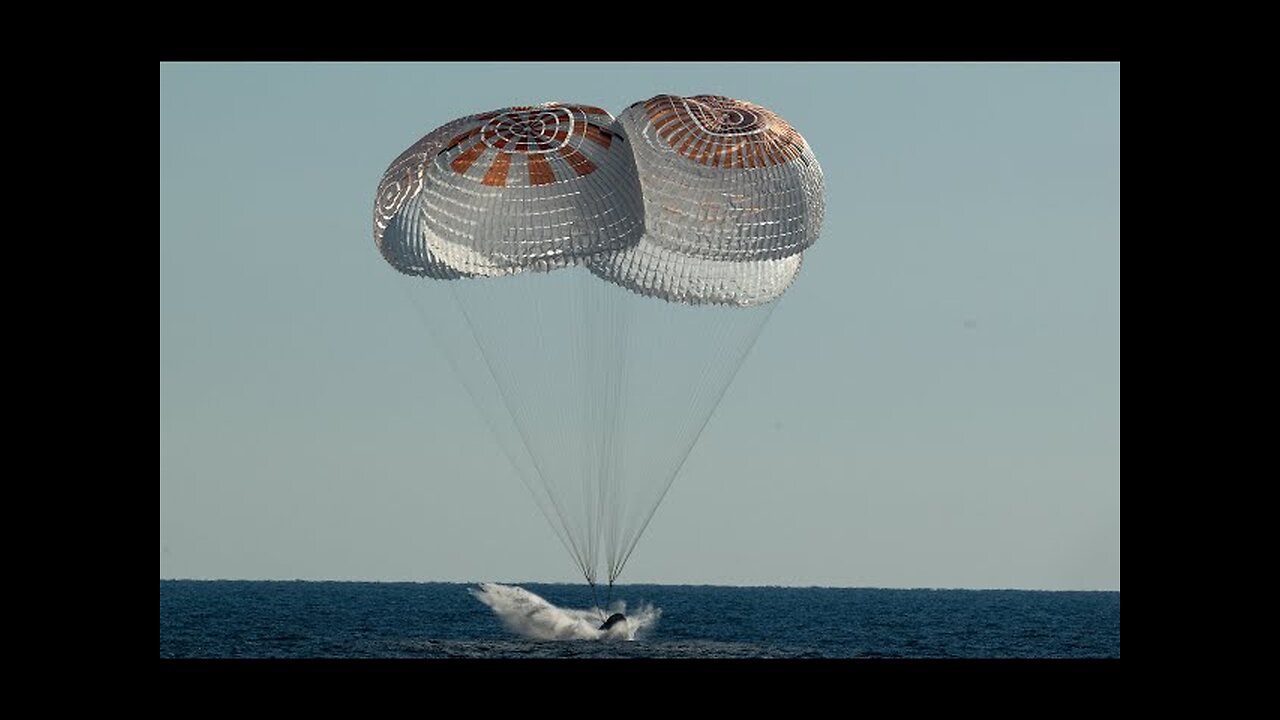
(249, 619)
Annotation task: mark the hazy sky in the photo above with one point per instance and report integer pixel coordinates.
(935, 402)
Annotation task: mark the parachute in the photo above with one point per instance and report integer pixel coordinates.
(595, 283)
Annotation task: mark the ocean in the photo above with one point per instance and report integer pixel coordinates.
(300, 619)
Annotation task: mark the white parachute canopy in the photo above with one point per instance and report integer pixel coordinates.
(606, 280)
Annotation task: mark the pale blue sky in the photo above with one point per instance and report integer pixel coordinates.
(935, 403)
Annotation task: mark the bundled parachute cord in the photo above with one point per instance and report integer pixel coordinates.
(730, 333)
(567, 537)
(571, 545)
(535, 408)
(610, 315)
(474, 394)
